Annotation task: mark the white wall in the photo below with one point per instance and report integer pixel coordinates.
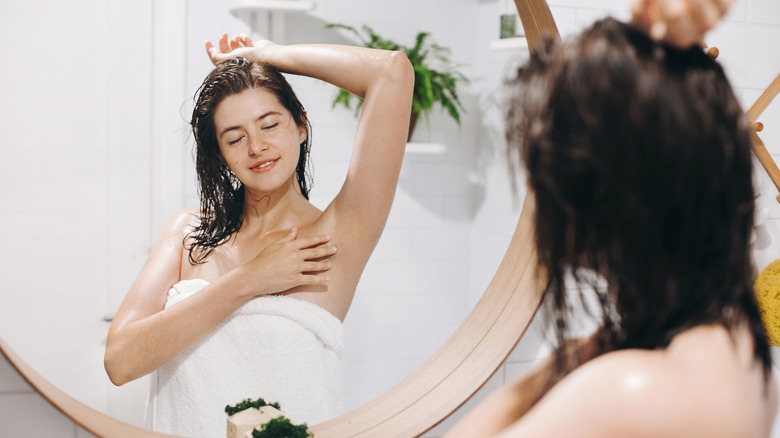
(76, 183)
(450, 224)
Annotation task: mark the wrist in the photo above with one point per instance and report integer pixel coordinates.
(236, 282)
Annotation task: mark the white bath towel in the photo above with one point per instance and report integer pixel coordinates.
(279, 348)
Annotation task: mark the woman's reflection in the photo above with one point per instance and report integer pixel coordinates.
(245, 296)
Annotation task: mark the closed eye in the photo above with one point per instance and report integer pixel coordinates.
(271, 126)
(236, 140)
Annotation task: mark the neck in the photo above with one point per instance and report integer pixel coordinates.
(270, 211)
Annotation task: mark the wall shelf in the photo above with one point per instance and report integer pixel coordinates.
(266, 18)
(425, 148)
(509, 43)
(271, 5)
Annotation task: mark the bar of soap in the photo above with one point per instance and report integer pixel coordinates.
(241, 424)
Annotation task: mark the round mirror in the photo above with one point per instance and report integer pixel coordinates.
(97, 159)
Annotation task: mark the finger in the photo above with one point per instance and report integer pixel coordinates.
(223, 43)
(318, 253)
(312, 241)
(313, 278)
(292, 235)
(310, 267)
(668, 14)
(210, 48)
(674, 23)
(641, 13)
(234, 43)
(723, 6)
(706, 14)
(245, 40)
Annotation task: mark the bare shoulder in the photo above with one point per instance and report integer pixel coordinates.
(181, 224)
(185, 220)
(698, 387)
(171, 238)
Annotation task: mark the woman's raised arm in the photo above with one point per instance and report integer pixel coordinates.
(385, 80)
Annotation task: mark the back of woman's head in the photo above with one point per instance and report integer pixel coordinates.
(221, 193)
(639, 158)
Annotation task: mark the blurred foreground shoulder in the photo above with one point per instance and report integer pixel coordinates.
(641, 393)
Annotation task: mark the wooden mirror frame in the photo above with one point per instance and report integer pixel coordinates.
(446, 380)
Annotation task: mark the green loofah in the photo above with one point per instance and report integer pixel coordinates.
(281, 427)
(248, 403)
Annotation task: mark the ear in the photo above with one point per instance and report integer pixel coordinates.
(303, 131)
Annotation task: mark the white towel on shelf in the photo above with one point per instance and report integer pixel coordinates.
(279, 348)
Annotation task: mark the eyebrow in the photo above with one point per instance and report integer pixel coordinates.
(233, 128)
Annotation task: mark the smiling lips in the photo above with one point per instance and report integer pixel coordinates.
(264, 165)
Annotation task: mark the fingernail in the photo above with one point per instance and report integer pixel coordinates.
(333, 249)
(658, 30)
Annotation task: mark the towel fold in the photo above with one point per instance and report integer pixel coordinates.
(279, 348)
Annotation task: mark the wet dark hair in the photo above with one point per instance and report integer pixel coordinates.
(639, 158)
(221, 193)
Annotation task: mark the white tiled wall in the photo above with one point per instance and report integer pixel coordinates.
(76, 146)
(27, 414)
(454, 212)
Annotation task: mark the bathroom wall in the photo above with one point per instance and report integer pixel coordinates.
(453, 215)
(77, 139)
(26, 414)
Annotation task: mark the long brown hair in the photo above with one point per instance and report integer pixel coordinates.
(639, 157)
(221, 193)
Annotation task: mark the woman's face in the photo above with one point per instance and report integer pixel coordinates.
(259, 139)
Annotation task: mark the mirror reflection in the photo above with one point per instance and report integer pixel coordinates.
(102, 126)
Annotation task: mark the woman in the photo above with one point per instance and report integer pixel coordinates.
(639, 161)
(257, 246)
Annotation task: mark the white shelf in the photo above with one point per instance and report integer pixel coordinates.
(509, 43)
(425, 148)
(272, 5)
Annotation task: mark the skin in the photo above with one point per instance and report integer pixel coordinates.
(285, 245)
(681, 23)
(705, 384)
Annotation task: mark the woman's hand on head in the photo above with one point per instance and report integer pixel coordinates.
(239, 46)
(681, 23)
(290, 262)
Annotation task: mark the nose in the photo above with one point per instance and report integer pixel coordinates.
(256, 145)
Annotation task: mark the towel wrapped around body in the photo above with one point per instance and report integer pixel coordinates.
(279, 348)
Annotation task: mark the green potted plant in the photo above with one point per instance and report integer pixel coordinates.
(435, 75)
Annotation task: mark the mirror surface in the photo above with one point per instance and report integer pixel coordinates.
(97, 158)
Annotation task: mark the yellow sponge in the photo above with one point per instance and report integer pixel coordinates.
(767, 289)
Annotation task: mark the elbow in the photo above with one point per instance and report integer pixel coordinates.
(117, 374)
(400, 68)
